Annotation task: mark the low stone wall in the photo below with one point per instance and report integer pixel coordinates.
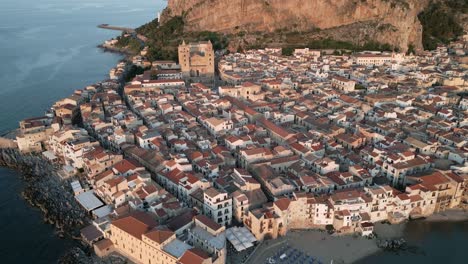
(79, 256)
(7, 143)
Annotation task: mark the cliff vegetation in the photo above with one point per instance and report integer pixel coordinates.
(399, 25)
(163, 39)
(440, 22)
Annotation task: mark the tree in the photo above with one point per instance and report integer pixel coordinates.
(411, 49)
(439, 24)
(287, 51)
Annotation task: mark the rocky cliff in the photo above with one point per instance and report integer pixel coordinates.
(387, 21)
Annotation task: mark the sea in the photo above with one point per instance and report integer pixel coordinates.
(428, 242)
(48, 49)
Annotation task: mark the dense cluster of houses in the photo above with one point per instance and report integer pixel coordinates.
(309, 141)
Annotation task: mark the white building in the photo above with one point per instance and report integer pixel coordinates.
(218, 206)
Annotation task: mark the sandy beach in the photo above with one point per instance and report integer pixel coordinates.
(449, 215)
(326, 247)
(343, 249)
(340, 249)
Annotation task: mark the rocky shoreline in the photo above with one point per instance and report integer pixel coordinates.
(45, 190)
(113, 49)
(79, 256)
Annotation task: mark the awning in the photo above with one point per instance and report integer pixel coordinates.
(240, 237)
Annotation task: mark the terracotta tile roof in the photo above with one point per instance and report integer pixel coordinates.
(434, 179)
(415, 198)
(193, 256)
(136, 224)
(274, 128)
(124, 166)
(159, 236)
(212, 192)
(403, 196)
(181, 220)
(115, 181)
(345, 194)
(208, 222)
(283, 203)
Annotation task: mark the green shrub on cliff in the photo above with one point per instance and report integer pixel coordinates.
(287, 51)
(343, 45)
(439, 23)
(219, 41)
(164, 39)
(129, 43)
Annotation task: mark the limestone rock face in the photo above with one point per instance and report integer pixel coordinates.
(396, 21)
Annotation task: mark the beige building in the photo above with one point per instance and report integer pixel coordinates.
(247, 90)
(139, 238)
(449, 187)
(217, 126)
(343, 84)
(196, 59)
(265, 223)
(240, 206)
(34, 132)
(207, 235)
(355, 210)
(133, 236)
(373, 59)
(397, 167)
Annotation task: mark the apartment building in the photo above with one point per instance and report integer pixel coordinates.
(217, 205)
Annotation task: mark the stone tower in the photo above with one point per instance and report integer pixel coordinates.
(196, 59)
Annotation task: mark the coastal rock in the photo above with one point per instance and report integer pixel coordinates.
(79, 256)
(45, 190)
(392, 244)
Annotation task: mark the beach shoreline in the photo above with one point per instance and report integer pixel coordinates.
(321, 245)
(345, 248)
(450, 215)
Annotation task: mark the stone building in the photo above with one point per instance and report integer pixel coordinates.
(196, 59)
(33, 134)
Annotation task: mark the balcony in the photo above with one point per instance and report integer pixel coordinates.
(444, 198)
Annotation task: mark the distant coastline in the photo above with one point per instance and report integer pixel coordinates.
(110, 49)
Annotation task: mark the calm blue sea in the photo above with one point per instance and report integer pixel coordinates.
(431, 242)
(47, 50)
